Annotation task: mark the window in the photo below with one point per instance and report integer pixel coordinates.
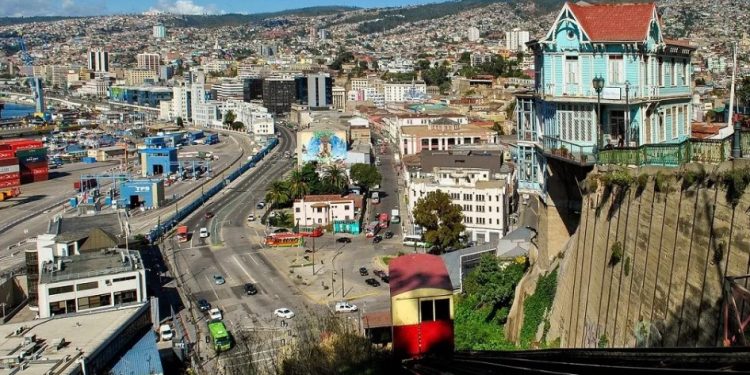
(480, 220)
(661, 72)
(297, 209)
(125, 296)
(443, 309)
(644, 71)
(455, 196)
(480, 197)
(686, 73)
(480, 208)
(87, 286)
(467, 197)
(672, 119)
(468, 220)
(346, 207)
(94, 301)
(679, 72)
(426, 311)
(616, 69)
(61, 289)
(571, 69)
(576, 122)
(432, 310)
(318, 209)
(467, 207)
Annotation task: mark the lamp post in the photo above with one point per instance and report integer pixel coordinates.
(598, 84)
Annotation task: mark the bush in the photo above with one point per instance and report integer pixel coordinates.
(661, 183)
(603, 341)
(641, 183)
(626, 266)
(718, 253)
(735, 181)
(690, 178)
(591, 184)
(621, 178)
(616, 255)
(536, 305)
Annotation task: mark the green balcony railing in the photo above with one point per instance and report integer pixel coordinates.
(582, 154)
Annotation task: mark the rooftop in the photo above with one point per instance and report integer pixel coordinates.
(81, 333)
(79, 227)
(614, 22)
(418, 271)
(107, 262)
(425, 131)
(491, 160)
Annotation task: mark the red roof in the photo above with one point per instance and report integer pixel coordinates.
(614, 22)
(418, 271)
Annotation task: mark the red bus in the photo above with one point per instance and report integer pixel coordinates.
(182, 233)
(285, 240)
(311, 232)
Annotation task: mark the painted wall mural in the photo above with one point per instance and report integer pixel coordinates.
(324, 146)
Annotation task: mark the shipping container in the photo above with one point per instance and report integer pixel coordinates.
(8, 161)
(34, 166)
(22, 144)
(9, 169)
(31, 159)
(10, 176)
(87, 184)
(10, 183)
(6, 154)
(32, 152)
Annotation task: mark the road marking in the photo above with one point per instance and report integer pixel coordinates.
(244, 270)
(253, 259)
(211, 283)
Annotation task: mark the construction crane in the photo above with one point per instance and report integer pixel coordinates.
(35, 83)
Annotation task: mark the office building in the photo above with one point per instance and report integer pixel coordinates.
(278, 94)
(516, 39)
(252, 88)
(230, 88)
(98, 60)
(402, 92)
(339, 98)
(319, 90)
(137, 77)
(160, 32)
(148, 61)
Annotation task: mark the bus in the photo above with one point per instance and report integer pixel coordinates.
(285, 240)
(182, 233)
(415, 240)
(310, 231)
(219, 336)
(372, 229)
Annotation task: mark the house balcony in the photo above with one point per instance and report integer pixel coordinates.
(583, 155)
(612, 94)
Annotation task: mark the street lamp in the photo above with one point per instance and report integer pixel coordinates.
(598, 84)
(627, 114)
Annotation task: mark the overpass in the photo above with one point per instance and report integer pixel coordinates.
(90, 103)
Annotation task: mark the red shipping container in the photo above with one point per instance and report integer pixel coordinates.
(41, 177)
(10, 183)
(5, 147)
(8, 161)
(6, 154)
(10, 176)
(31, 166)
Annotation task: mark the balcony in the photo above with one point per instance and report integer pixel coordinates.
(555, 92)
(557, 148)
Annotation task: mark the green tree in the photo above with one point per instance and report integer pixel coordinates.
(365, 175)
(281, 219)
(743, 91)
(310, 175)
(277, 194)
(237, 125)
(335, 179)
(465, 58)
(180, 122)
(423, 65)
(229, 117)
(441, 218)
(298, 186)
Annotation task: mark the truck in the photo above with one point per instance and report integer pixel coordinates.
(395, 217)
(219, 336)
(383, 220)
(182, 233)
(7, 193)
(84, 184)
(375, 197)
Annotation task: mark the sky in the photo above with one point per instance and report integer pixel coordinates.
(25, 8)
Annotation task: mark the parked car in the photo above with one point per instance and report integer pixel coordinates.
(379, 273)
(203, 305)
(250, 289)
(215, 314)
(345, 307)
(385, 278)
(363, 271)
(166, 333)
(251, 217)
(284, 313)
(372, 282)
(377, 239)
(344, 240)
(209, 215)
(388, 234)
(260, 205)
(203, 233)
(219, 280)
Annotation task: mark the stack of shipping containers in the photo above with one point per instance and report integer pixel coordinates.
(10, 176)
(32, 159)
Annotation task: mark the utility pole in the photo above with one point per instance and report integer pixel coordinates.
(343, 291)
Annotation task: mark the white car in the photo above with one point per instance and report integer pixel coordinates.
(165, 331)
(345, 307)
(284, 313)
(215, 314)
(251, 217)
(203, 233)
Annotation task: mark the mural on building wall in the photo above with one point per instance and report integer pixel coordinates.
(324, 146)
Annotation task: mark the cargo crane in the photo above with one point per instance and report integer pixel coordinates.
(35, 83)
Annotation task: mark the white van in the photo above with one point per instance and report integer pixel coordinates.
(165, 332)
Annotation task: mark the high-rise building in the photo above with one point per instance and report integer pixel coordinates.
(98, 60)
(268, 50)
(278, 94)
(472, 34)
(252, 88)
(319, 90)
(516, 40)
(160, 31)
(229, 88)
(339, 98)
(148, 61)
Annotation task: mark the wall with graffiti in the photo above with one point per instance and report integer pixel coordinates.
(322, 146)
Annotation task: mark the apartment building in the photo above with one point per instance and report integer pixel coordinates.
(475, 180)
(137, 77)
(313, 210)
(442, 134)
(148, 61)
(402, 92)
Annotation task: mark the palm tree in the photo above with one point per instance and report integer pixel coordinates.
(283, 219)
(277, 193)
(335, 177)
(297, 185)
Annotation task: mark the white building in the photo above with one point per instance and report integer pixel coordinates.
(360, 83)
(313, 210)
(98, 60)
(516, 39)
(160, 32)
(148, 61)
(229, 88)
(89, 282)
(94, 87)
(395, 123)
(400, 92)
(483, 192)
(339, 98)
(472, 33)
(319, 87)
(256, 118)
(180, 106)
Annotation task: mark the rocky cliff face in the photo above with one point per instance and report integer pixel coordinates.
(647, 263)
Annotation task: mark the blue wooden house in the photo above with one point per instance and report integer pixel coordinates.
(605, 77)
